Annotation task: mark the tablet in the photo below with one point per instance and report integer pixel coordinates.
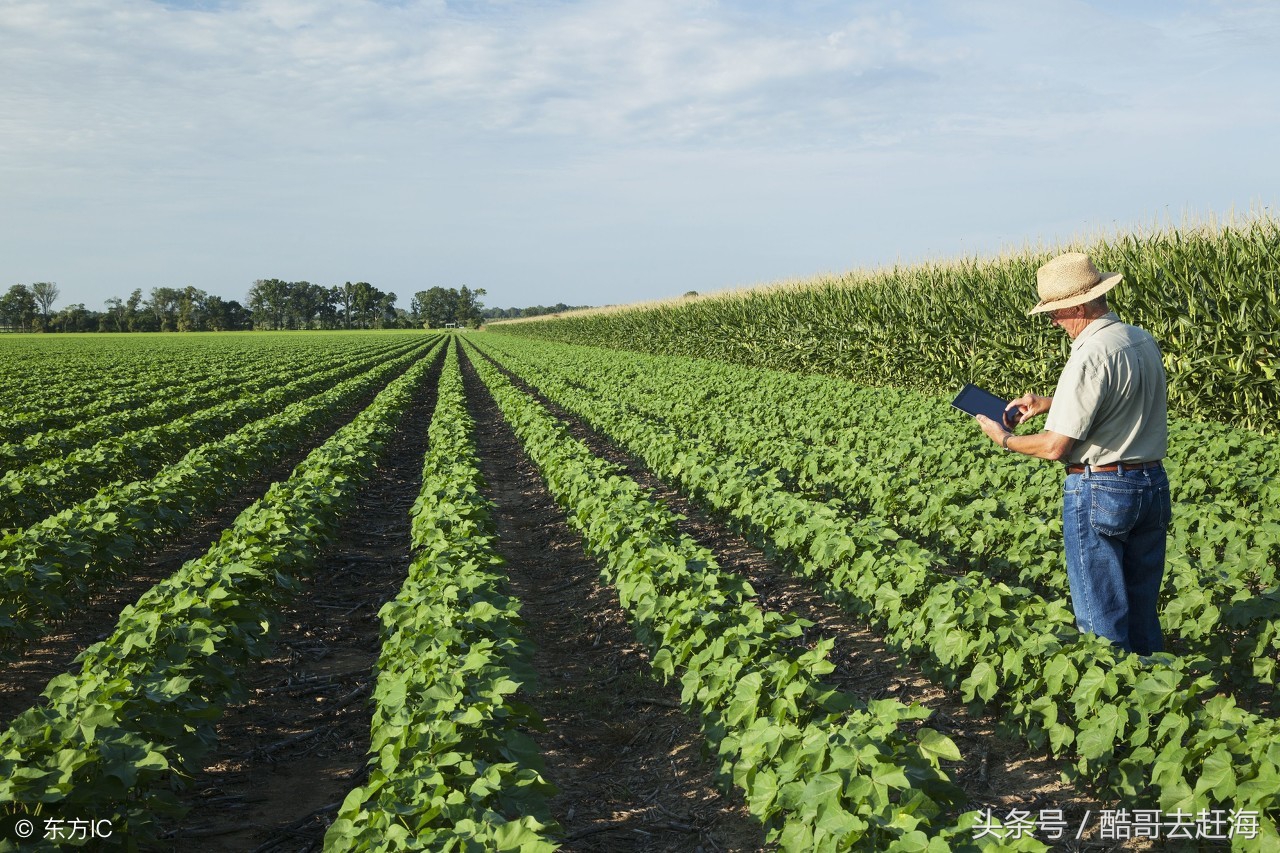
(974, 401)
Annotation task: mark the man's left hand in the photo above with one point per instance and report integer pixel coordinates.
(994, 431)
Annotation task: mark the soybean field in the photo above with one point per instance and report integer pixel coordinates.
(480, 591)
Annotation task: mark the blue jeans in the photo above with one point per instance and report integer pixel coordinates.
(1114, 526)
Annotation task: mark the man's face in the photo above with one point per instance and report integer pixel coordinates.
(1058, 315)
(1070, 320)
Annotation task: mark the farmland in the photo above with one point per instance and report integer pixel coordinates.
(506, 591)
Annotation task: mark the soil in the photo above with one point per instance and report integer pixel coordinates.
(998, 772)
(630, 767)
(53, 654)
(288, 757)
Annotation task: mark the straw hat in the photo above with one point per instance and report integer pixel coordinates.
(1071, 279)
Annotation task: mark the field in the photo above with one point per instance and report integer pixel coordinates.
(486, 591)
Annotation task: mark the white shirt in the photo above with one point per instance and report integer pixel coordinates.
(1111, 396)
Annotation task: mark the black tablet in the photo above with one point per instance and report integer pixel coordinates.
(974, 401)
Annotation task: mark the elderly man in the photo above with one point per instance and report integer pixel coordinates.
(1108, 423)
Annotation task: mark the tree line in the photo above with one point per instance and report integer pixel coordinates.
(271, 304)
(533, 311)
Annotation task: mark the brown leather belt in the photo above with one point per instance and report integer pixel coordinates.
(1107, 469)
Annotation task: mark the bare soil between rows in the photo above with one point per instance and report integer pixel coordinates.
(288, 757)
(998, 772)
(26, 676)
(630, 767)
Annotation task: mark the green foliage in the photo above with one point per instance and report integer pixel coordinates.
(59, 383)
(33, 492)
(908, 459)
(1136, 726)
(531, 311)
(822, 770)
(277, 304)
(18, 309)
(1211, 298)
(117, 738)
(439, 307)
(451, 765)
(51, 567)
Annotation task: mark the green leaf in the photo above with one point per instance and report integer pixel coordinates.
(892, 775)
(937, 746)
(981, 682)
(1217, 775)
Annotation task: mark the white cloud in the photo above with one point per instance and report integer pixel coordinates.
(640, 70)
(327, 125)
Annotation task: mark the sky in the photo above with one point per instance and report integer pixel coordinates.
(608, 152)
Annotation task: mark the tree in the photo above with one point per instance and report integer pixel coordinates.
(75, 318)
(45, 294)
(435, 307)
(239, 318)
(298, 305)
(112, 320)
(192, 311)
(269, 302)
(532, 311)
(327, 303)
(342, 299)
(385, 312)
(215, 314)
(18, 308)
(310, 306)
(164, 304)
(467, 311)
(418, 308)
(135, 318)
(364, 299)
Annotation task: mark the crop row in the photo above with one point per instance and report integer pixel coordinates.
(819, 768)
(87, 364)
(890, 455)
(115, 738)
(34, 492)
(50, 568)
(59, 382)
(1139, 728)
(242, 381)
(451, 765)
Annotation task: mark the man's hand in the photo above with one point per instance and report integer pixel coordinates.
(994, 431)
(1042, 445)
(1026, 406)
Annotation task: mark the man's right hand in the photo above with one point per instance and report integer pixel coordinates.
(1024, 407)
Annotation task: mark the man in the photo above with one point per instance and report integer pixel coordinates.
(1108, 422)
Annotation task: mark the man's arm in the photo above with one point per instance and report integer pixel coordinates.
(1053, 446)
(1029, 405)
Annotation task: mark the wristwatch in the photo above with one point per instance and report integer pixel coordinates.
(1005, 442)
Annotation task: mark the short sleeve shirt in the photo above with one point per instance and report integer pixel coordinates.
(1111, 396)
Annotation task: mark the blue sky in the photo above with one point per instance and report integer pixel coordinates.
(608, 152)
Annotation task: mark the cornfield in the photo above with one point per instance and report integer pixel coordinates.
(1210, 296)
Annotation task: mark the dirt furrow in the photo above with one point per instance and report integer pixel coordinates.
(999, 771)
(288, 756)
(629, 766)
(25, 677)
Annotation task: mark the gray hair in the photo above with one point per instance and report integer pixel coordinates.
(1098, 305)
